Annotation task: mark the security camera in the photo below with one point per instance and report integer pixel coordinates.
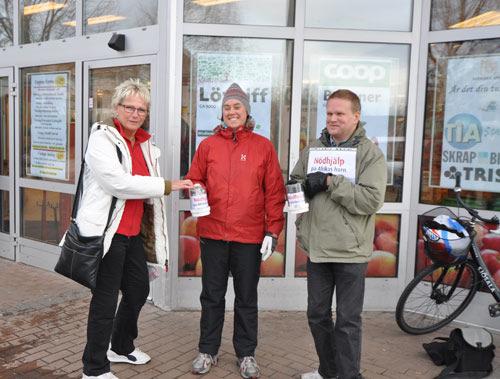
(117, 42)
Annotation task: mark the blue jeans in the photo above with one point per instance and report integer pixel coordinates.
(338, 344)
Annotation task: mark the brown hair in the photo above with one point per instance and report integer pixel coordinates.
(348, 95)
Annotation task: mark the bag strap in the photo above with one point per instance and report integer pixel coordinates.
(449, 371)
(79, 189)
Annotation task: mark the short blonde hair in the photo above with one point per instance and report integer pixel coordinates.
(130, 87)
(348, 95)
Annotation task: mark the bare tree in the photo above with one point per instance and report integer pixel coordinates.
(6, 25)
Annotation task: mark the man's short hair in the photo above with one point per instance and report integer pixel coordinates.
(348, 95)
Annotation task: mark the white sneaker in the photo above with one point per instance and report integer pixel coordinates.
(311, 375)
(203, 363)
(107, 375)
(136, 357)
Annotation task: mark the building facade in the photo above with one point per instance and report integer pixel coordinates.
(427, 73)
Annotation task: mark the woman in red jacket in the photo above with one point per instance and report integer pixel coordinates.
(241, 174)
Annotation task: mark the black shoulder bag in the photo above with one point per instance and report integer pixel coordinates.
(81, 256)
(467, 353)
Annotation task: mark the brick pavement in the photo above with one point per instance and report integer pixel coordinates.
(43, 320)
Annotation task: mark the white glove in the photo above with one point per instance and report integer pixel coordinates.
(268, 246)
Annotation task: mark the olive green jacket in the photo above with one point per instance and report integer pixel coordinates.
(340, 224)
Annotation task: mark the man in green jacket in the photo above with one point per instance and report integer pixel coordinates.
(337, 233)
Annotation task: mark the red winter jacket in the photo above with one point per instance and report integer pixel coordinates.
(245, 188)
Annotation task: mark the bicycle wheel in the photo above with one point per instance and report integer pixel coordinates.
(436, 296)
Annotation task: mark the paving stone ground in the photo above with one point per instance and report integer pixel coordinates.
(42, 335)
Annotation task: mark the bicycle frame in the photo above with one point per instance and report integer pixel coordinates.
(482, 269)
(486, 277)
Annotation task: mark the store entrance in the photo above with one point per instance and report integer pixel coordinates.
(7, 193)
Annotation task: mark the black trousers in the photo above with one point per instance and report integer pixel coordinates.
(219, 258)
(123, 268)
(338, 344)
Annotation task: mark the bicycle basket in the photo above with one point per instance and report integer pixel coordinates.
(445, 239)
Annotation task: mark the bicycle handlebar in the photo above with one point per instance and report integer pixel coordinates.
(472, 212)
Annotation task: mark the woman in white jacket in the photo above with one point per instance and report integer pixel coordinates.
(137, 232)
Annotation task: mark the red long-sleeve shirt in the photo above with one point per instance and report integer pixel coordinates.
(130, 224)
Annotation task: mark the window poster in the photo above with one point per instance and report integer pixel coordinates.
(371, 79)
(215, 72)
(471, 130)
(49, 104)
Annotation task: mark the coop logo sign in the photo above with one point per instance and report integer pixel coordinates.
(348, 72)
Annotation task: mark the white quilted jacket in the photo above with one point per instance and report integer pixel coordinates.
(105, 177)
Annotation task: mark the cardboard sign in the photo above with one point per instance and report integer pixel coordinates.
(333, 160)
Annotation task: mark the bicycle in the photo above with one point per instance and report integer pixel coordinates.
(442, 291)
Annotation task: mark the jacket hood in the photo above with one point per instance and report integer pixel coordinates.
(353, 141)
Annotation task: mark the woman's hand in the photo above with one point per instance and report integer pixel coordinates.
(181, 184)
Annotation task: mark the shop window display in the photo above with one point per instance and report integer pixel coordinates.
(263, 69)
(45, 215)
(378, 73)
(384, 260)
(189, 251)
(462, 120)
(48, 123)
(487, 241)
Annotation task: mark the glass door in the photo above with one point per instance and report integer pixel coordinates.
(101, 79)
(7, 224)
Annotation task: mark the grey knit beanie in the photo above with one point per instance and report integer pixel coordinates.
(235, 92)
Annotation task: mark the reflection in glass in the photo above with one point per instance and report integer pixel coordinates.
(459, 14)
(393, 15)
(255, 12)
(384, 261)
(262, 68)
(378, 73)
(4, 126)
(48, 122)
(103, 82)
(189, 251)
(45, 215)
(6, 26)
(462, 120)
(46, 20)
(4, 212)
(108, 15)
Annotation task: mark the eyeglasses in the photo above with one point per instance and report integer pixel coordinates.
(130, 110)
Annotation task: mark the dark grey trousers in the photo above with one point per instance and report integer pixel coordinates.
(242, 260)
(338, 344)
